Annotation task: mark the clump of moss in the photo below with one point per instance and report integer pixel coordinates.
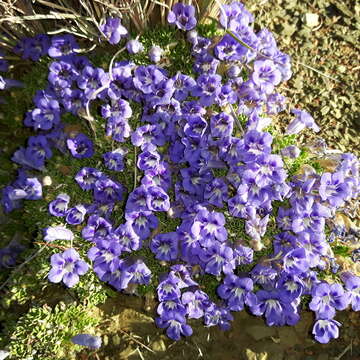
(45, 332)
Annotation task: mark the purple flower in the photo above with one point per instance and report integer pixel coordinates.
(325, 330)
(302, 120)
(76, 215)
(333, 188)
(118, 128)
(37, 151)
(291, 151)
(169, 308)
(208, 88)
(157, 199)
(352, 285)
(114, 159)
(229, 49)
(147, 134)
(209, 226)
(272, 306)
(47, 113)
(134, 46)
(58, 207)
(215, 315)
(216, 192)
(141, 274)
(118, 108)
(221, 125)
(243, 255)
(237, 292)
(183, 85)
(183, 16)
(195, 302)
(108, 191)
(67, 267)
(155, 53)
(87, 177)
(90, 341)
(62, 73)
(168, 288)
(149, 159)
(62, 45)
(266, 75)
(234, 14)
(290, 287)
(80, 146)
(309, 216)
(92, 79)
(104, 256)
(128, 239)
(142, 222)
(161, 93)
(57, 233)
(295, 261)
(97, 227)
(256, 227)
(326, 298)
(218, 258)
(145, 77)
(165, 246)
(113, 30)
(176, 326)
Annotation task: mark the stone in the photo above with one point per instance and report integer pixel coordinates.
(311, 20)
(116, 339)
(251, 355)
(258, 332)
(323, 356)
(158, 345)
(288, 336)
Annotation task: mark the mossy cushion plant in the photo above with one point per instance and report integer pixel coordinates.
(160, 166)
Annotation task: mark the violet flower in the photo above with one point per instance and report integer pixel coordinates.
(97, 227)
(165, 246)
(128, 239)
(176, 326)
(62, 45)
(302, 120)
(59, 206)
(114, 159)
(67, 267)
(195, 302)
(76, 215)
(90, 341)
(352, 285)
(237, 292)
(157, 199)
(325, 330)
(207, 88)
(58, 233)
(107, 190)
(80, 146)
(326, 298)
(155, 53)
(113, 30)
(134, 46)
(183, 16)
(87, 177)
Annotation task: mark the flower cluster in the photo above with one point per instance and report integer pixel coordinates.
(205, 157)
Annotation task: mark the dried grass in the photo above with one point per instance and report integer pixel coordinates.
(21, 18)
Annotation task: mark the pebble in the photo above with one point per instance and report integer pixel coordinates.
(311, 20)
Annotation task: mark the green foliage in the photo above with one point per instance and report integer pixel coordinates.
(209, 283)
(341, 250)
(44, 332)
(208, 30)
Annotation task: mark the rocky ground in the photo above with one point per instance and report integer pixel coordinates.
(323, 35)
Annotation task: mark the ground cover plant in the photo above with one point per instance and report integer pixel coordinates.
(147, 173)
